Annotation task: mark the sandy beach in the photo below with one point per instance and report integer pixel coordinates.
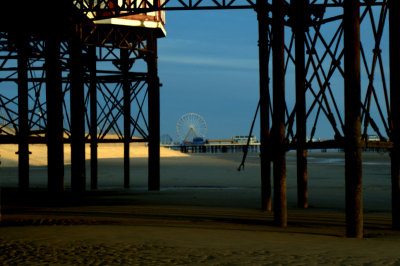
(206, 213)
(38, 157)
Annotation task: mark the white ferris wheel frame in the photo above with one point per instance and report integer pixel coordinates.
(191, 121)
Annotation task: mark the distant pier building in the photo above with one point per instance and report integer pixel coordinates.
(235, 144)
(243, 139)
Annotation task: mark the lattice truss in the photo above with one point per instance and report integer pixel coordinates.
(325, 70)
(108, 82)
(9, 86)
(324, 58)
(110, 96)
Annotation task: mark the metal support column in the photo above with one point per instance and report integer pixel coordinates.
(301, 133)
(278, 117)
(54, 132)
(263, 45)
(124, 57)
(93, 118)
(154, 113)
(23, 127)
(78, 176)
(394, 25)
(352, 93)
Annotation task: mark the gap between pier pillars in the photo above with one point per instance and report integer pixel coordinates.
(263, 44)
(352, 93)
(153, 113)
(394, 29)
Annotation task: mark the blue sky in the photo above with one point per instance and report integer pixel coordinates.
(208, 64)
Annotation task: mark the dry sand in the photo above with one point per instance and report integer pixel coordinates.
(38, 155)
(206, 213)
(179, 245)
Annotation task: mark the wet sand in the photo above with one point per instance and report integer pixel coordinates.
(218, 172)
(206, 213)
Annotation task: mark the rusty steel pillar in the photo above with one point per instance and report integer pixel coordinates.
(124, 57)
(394, 36)
(154, 113)
(78, 176)
(278, 117)
(299, 27)
(352, 95)
(23, 127)
(54, 130)
(263, 45)
(93, 118)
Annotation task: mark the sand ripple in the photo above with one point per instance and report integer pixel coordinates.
(82, 252)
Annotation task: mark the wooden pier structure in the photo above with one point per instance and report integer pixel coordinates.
(54, 88)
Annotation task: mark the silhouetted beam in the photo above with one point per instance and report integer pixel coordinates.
(140, 6)
(23, 127)
(154, 113)
(352, 87)
(78, 176)
(11, 139)
(118, 78)
(263, 44)
(93, 117)
(300, 21)
(278, 124)
(132, 77)
(55, 130)
(394, 36)
(124, 57)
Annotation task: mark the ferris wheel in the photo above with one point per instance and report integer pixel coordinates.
(191, 126)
